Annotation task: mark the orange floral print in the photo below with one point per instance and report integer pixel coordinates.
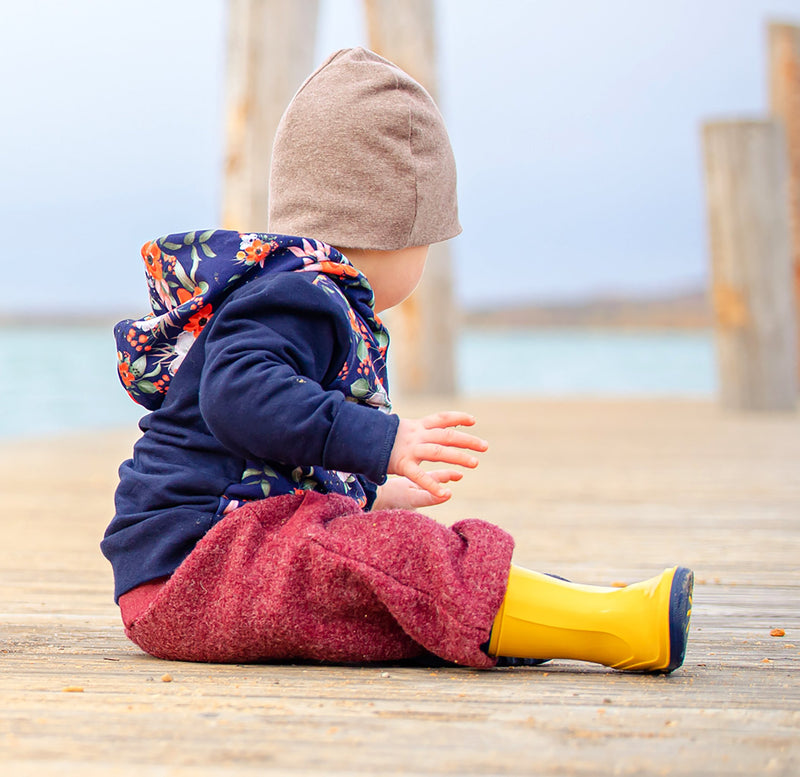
(184, 295)
(256, 252)
(196, 323)
(190, 273)
(151, 253)
(337, 268)
(125, 374)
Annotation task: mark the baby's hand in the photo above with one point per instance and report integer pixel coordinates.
(402, 494)
(433, 438)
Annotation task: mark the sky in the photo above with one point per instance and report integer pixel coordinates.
(575, 124)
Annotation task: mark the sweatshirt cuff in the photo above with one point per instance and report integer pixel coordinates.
(360, 441)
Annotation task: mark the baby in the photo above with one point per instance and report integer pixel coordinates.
(255, 520)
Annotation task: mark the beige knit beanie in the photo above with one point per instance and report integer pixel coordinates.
(362, 159)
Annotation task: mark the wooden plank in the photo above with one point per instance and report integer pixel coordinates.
(597, 491)
(752, 291)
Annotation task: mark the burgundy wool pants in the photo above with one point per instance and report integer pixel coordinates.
(313, 577)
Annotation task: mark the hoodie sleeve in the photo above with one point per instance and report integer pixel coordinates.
(270, 353)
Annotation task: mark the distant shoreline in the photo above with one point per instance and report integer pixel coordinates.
(49, 320)
(689, 310)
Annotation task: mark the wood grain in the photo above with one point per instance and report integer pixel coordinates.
(597, 491)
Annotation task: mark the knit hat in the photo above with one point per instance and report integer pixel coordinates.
(362, 159)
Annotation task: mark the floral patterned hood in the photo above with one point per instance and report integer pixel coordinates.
(189, 275)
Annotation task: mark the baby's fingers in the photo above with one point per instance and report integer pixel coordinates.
(448, 418)
(421, 497)
(445, 455)
(431, 482)
(455, 439)
(446, 475)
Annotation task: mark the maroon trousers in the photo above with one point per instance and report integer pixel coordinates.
(314, 577)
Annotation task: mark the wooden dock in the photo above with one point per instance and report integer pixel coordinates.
(599, 492)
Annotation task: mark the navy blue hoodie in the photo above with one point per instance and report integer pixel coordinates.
(264, 364)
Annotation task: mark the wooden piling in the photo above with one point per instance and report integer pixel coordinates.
(752, 291)
(270, 52)
(784, 83)
(423, 327)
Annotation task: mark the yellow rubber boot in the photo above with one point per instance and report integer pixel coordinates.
(642, 627)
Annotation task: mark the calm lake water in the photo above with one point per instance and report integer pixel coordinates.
(62, 379)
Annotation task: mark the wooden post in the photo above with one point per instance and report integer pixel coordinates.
(270, 52)
(746, 178)
(784, 82)
(423, 328)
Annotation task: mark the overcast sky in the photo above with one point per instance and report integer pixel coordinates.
(575, 126)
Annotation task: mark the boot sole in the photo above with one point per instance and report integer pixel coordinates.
(680, 613)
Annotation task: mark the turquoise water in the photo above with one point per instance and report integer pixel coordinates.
(588, 362)
(61, 379)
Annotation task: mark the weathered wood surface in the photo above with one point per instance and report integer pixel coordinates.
(270, 52)
(597, 491)
(752, 281)
(784, 99)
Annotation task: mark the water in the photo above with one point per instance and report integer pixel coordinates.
(586, 362)
(58, 379)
